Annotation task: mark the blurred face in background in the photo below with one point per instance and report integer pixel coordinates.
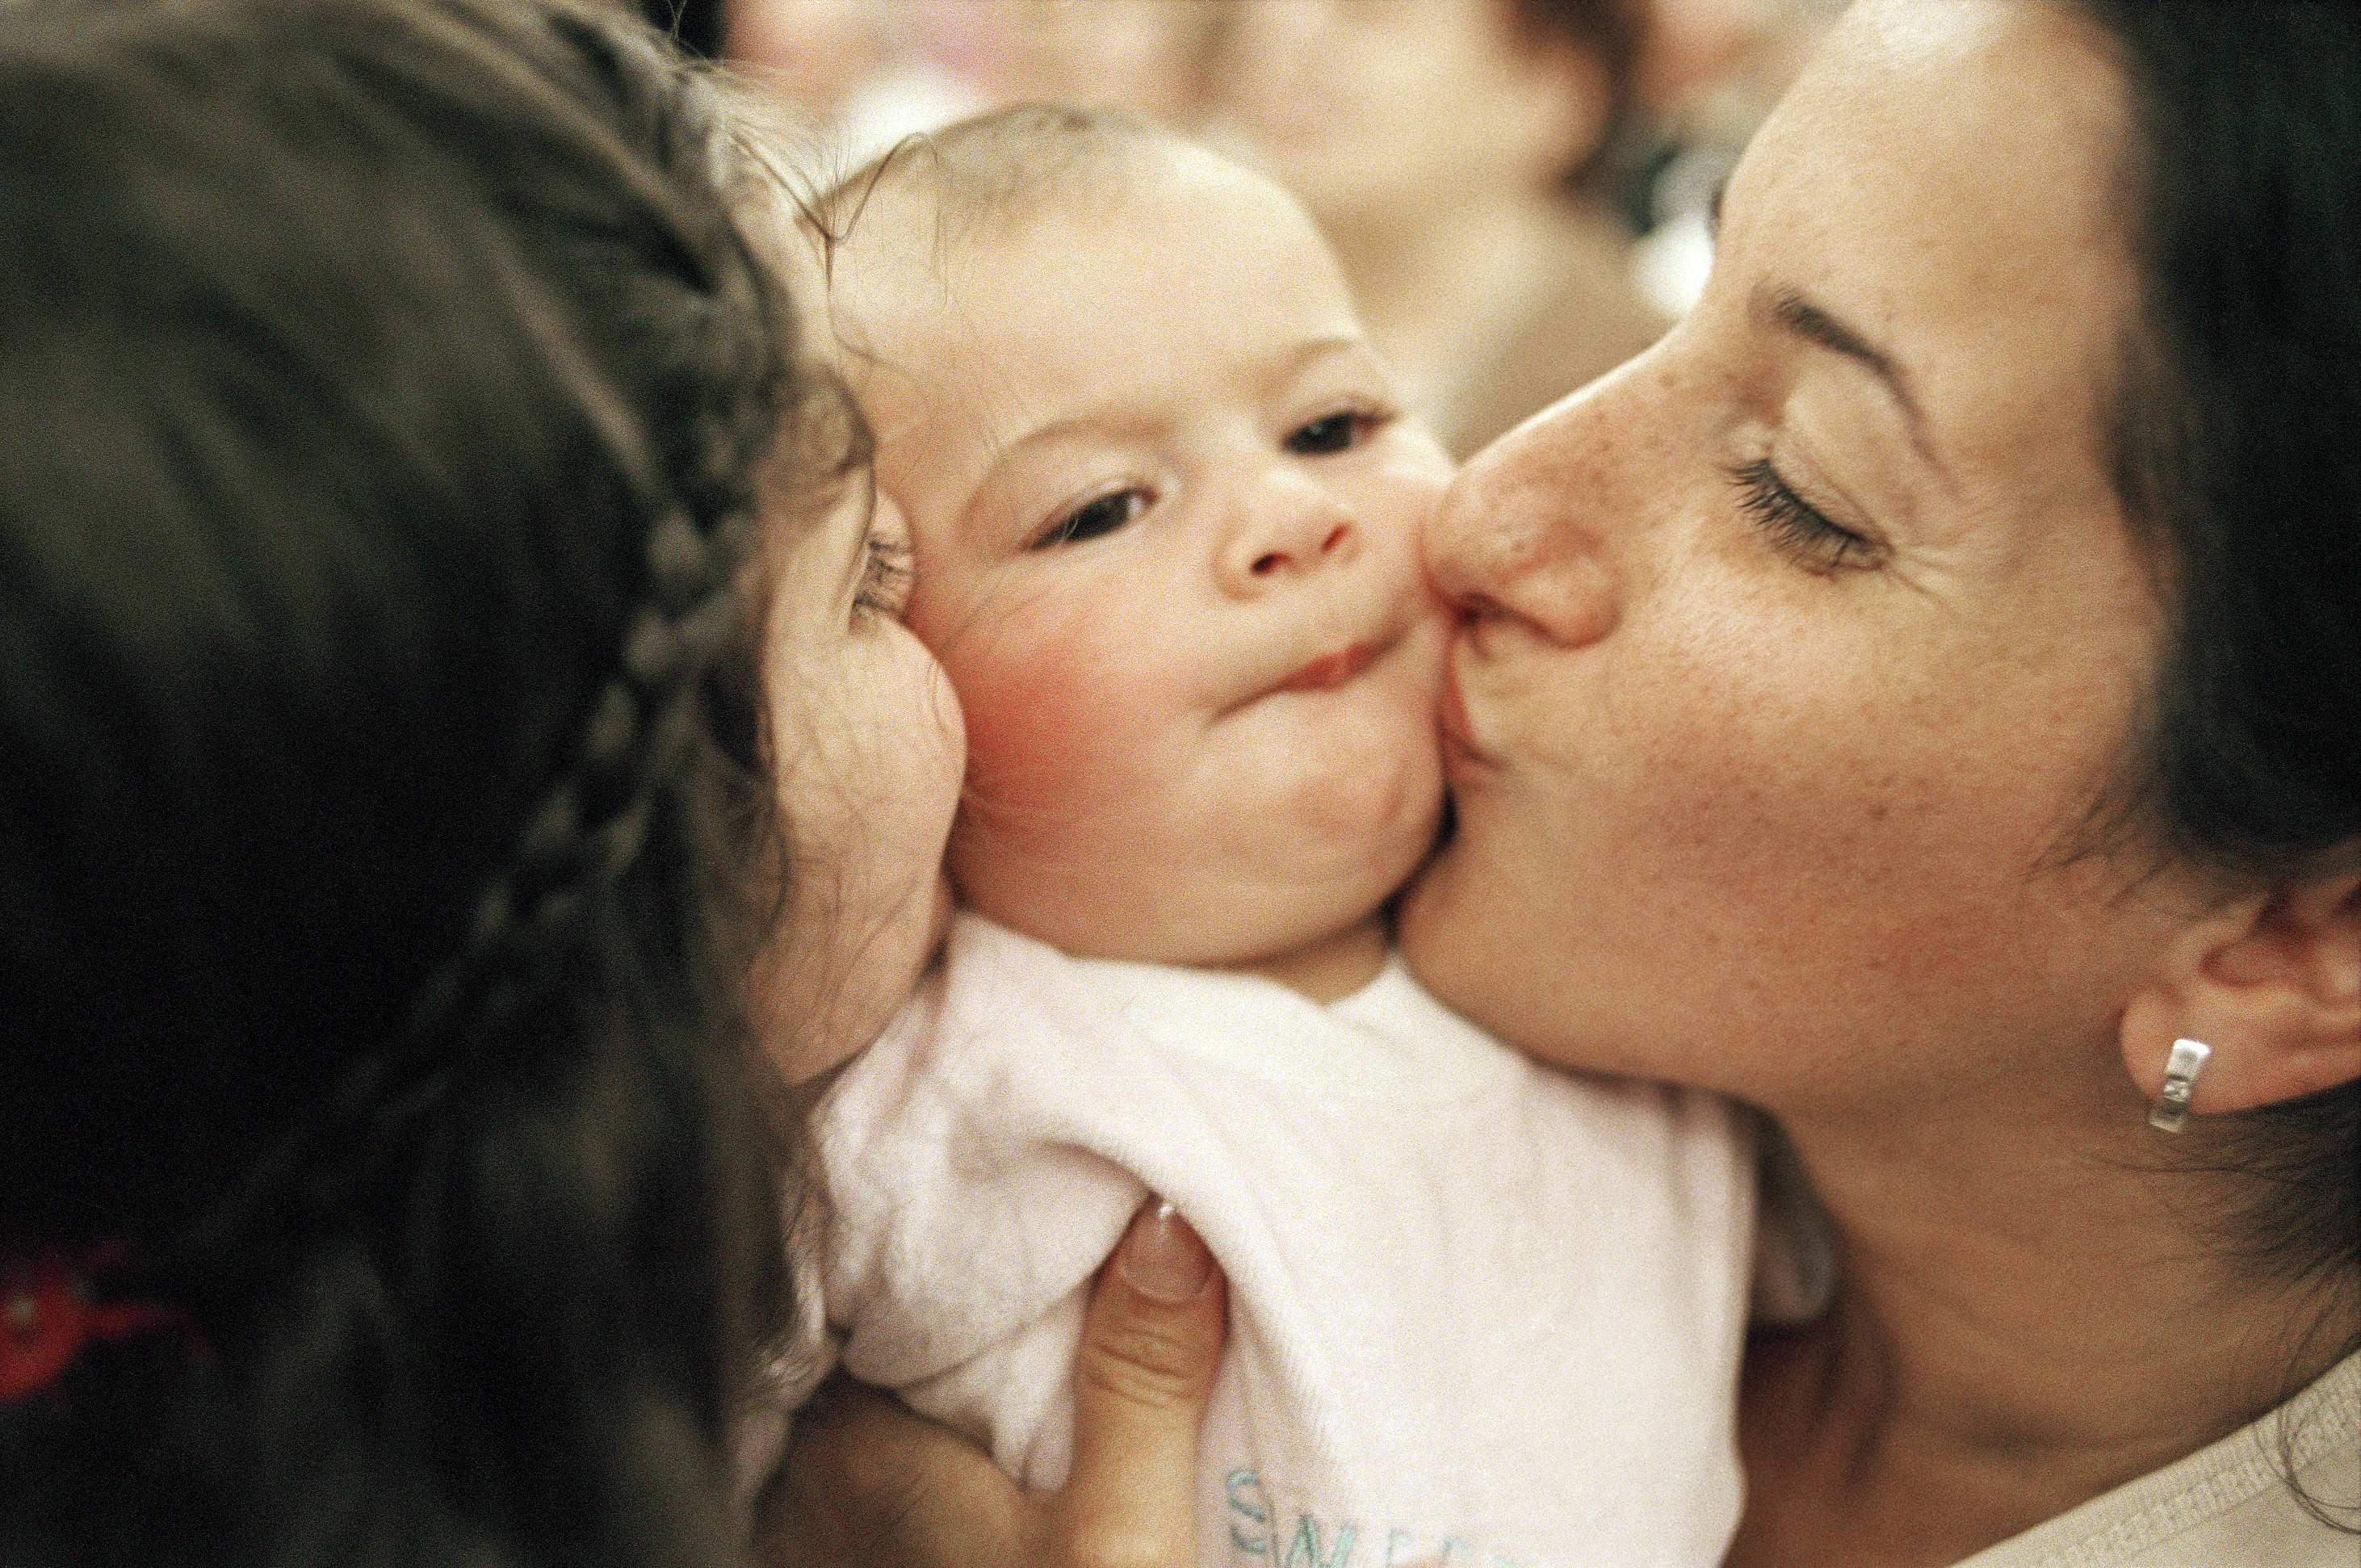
(816, 52)
(1147, 56)
(1359, 104)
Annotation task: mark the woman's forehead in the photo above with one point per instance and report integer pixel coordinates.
(1943, 187)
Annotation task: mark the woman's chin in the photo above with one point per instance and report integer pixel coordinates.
(1464, 948)
(1433, 942)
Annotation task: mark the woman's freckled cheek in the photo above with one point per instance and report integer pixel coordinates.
(1750, 750)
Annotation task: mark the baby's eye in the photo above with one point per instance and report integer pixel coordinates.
(1331, 433)
(1094, 518)
(886, 577)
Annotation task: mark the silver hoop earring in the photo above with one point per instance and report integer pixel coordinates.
(2170, 1112)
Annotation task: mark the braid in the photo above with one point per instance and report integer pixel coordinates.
(592, 822)
(590, 826)
(725, 387)
(394, 842)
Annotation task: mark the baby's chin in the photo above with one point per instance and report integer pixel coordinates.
(1207, 914)
(1272, 866)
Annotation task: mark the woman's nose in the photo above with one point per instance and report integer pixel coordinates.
(1520, 530)
(1286, 525)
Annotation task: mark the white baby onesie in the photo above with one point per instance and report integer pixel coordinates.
(1482, 1312)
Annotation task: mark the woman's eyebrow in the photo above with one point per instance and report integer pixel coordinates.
(1790, 311)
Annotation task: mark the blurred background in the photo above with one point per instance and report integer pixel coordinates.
(1517, 189)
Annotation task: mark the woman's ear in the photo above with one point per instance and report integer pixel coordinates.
(2272, 983)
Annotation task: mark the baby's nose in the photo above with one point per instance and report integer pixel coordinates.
(1289, 526)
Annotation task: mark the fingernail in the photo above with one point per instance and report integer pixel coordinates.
(1161, 1258)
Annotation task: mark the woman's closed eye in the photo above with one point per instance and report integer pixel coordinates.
(1102, 515)
(1795, 527)
(1338, 432)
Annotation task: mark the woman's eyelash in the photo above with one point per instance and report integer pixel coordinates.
(1096, 518)
(886, 577)
(1794, 525)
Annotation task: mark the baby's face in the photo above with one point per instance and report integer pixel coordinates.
(1167, 520)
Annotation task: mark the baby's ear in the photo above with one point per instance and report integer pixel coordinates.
(2272, 983)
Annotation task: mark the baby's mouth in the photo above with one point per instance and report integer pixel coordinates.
(1330, 670)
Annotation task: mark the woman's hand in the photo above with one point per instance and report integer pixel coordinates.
(868, 1481)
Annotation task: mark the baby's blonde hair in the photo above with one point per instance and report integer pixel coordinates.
(994, 168)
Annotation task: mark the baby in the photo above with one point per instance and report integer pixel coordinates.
(1166, 519)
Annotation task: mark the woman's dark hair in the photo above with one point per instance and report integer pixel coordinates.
(2234, 438)
(382, 386)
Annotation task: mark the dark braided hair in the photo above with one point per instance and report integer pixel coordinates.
(382, 389)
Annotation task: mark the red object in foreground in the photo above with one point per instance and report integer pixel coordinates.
(48, 1315)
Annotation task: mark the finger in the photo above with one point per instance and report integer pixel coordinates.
(869, 1482)
(1151, 1341)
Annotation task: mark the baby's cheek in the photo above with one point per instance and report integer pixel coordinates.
(1053, 723)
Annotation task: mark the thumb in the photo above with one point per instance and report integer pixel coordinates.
(1151, 1341)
